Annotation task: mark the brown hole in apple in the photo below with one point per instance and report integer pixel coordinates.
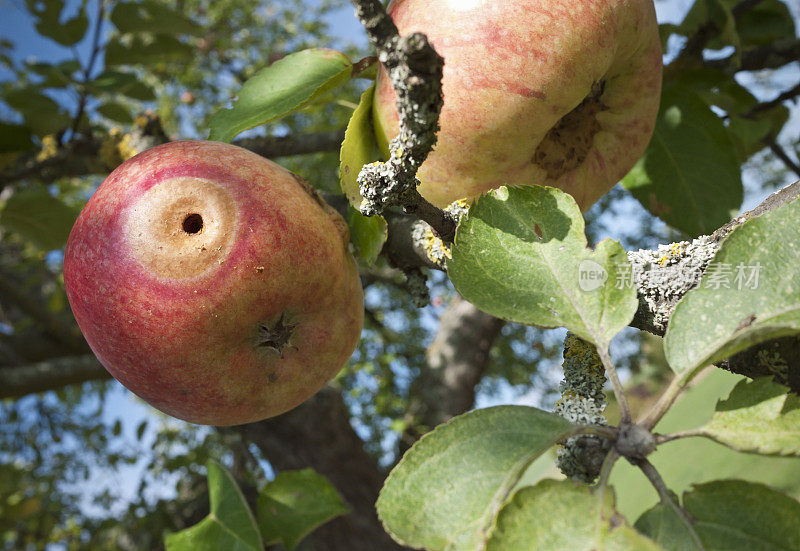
(566, 145)
(193, 223)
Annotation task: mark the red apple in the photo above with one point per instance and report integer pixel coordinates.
(552, 92)
(213, 283)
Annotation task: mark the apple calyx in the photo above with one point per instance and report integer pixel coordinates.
(276, 335)
(566, 145)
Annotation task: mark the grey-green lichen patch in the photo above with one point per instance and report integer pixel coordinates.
(662, 276)
(582, 402)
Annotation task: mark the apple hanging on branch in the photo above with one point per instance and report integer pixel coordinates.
(213, 283)
(551, 92)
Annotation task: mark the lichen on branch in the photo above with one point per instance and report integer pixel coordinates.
(415, 71)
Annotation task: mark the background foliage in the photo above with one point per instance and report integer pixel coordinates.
(85, 465)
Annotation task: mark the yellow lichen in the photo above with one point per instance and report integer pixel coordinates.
(675, 249)
(117, 148)
(49, 148)
(663, 260)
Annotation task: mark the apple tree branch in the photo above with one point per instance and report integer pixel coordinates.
(415, 70)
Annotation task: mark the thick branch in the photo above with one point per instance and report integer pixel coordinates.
(660, 290)
(80, 157)
(457, 359)
(49, 375)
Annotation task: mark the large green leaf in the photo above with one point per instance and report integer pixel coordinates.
(734, 514)
(663, 525)
(757, 262)
(283, 87)
(152, 17)
(759, 416)
(521, 254)
(141, 50)
(294, 504)
(561, 514)
(449, 487)
(689, 175)
(39, 217)
(230, 524)
(692, 460)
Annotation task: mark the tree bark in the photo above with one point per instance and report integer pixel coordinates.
(457, 359)
(318, 435)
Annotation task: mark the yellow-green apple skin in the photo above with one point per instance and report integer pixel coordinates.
(561, 93)
(213, 283)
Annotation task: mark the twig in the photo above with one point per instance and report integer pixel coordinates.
(609, 433)
(787, 95)
(663, 492)
(619, 393)
(415, 70)
(87, 71)
(782, 155)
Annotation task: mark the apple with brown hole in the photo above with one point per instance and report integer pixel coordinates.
(552, 92)
(213, 283)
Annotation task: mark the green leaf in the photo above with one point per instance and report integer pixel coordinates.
(14, 137)
(358, 148)
(146, 51)
(39, 217)
(230, 524)
(152, 17)
(368, 234)
(765, 23)
(283, 87)
(747, 134)
(294, 504)
(663, 525)
(689, 175)
(140, 429)
(759, 416)
(41, 113)
(116, 112)
(521, 254)
(116, 82)
(761, 301)
(48, 14)
(734, 514)
(561, 514)
(447, 490)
